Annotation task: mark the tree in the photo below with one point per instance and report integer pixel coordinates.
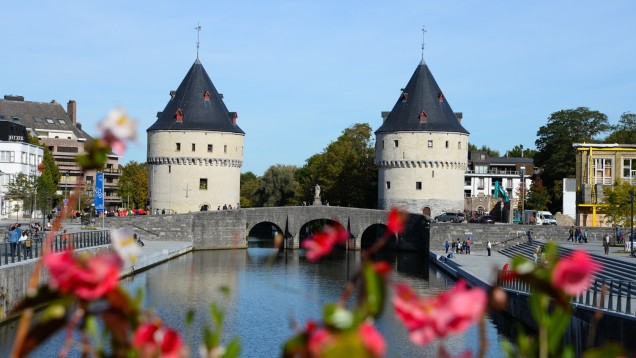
(132, 186)
(625, 131)
(555, 155)
(345, 170)
(278, 187)
(617, 198)
(493, 153)
(249, 184)
(21, 188)
(518, 151)
(48, 182)
(538, 196)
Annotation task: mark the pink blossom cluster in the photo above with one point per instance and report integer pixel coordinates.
(319, 339)
(574, 274)
(435, 317)
(153, 339)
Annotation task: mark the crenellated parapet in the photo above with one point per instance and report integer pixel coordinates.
(432, 164)
(217, 162)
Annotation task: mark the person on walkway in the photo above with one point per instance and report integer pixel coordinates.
(22, 245)
(571, 234)
(536, 254)
(447, 245)
(12, 239)
(488, 247)
(585, 236)
(458, 246)
(577, 234)
(469, 243)
(163, 211)
(606, 241)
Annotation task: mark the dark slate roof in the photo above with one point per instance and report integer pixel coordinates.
(198, 114)
(35, 115)
(422, 94)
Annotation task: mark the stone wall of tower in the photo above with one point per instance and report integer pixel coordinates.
(177, 172)
(421, 169)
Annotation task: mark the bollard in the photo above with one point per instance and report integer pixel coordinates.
(611, 295)
(620, 293)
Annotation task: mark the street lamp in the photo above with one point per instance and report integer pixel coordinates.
(523, 194)
(631, 218)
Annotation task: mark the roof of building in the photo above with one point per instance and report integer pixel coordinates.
(422, 107)
(196, 105)
(38, 115)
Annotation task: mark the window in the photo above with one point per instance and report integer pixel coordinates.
(388, 185)
(203, 184)
(31, 159)
(179, 115)
(61, 121)
(206, 96)
(24, 158)
(481, 169)
(446, 144)
(193, 147)
(603, 171)
(89, 180)
(459, 145)
(37, 120)
(50, 121)
(178, 147)
(7, 156)
(169, 169)
(382, 144)
(396, 143)
(418, 185)
(480, 183)
(225, 149)
(629, 169)
(430, 143)
(210, 148)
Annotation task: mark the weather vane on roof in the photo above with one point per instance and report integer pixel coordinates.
(198, 28)
(423, 32)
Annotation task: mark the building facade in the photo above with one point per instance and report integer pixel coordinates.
(195, 149)
(63, 135)
(599, 166)
(421, 150)
(490, 180)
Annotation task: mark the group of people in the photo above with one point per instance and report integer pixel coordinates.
(576, 234)
(19, 241)
(227, 207)
(458, 246)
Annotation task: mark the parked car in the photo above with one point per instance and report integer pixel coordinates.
(486, 219)
(452, 217)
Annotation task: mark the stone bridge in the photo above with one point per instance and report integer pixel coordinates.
(230, 228)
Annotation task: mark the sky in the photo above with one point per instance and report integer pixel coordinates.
(299, 72)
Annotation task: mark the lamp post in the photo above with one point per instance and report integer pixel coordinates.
(35, 193)
(523, 194)
(631, 219)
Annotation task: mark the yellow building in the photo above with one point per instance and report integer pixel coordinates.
(598, 166)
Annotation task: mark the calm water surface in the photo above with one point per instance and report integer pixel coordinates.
(270, 293)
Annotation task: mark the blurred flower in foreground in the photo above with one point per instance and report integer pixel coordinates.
(117, 128)
(155, 340)
(435, 317)
(323, 242)
(574, 274)
(124, 244)
(88, 278)
(395, 220)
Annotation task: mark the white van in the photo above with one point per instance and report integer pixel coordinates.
(540, 217)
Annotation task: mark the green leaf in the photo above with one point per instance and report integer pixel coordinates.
(208, 338)
(338, 317)
(217, 316)
(558, 323)
(189, 316)
(296, 346)
(537, 308)
(604, 351)
(374, 290)
(233, 349)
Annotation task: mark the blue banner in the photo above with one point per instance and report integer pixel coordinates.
(99, 192)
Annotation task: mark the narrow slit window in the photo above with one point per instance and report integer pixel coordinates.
(178, 147)
(430, 143)
(194, 146)
(210, 148)
(225, 149)
(396, 143)
(446, 144)
(388, 185)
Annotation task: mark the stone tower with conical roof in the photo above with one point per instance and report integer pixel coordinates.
(195, 149)
(421, 150)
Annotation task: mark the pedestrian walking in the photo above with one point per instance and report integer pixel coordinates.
(606, 241)
(447, 245)
(571, 234)
(488, 247)
(469, 243)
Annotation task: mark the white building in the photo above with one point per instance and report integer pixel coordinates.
(421, 150)
(195, 149)
(16, 156)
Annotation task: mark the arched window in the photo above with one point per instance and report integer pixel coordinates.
(206, 96)
(423, 117)
(179, 115)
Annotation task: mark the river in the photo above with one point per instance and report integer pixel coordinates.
(269, 291)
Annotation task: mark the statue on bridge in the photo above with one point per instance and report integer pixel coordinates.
(317, 200)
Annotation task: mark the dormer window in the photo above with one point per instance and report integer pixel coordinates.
(172, 94)
(206, 96)
(404, 97)
(440, 97)
(179, 115)
(423, 117)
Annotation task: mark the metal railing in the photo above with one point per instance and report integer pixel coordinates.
(611, 295)
(18, 252)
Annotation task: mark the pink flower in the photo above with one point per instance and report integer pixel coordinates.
(117, 128)
(450, 312)
(155, 340)
(88, 279)
(574, 274)
(395, 220)
(372, 339)
(319, 339)
(323, 242)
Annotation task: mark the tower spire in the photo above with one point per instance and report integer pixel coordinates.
(198, 28)
(423, 32)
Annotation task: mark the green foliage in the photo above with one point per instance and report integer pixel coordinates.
(538, 196)
(132, 186)
(249, 184)
(278, 187)
(518, 151)
(555, 155)
(625, 131)
(493, 153)
(617, 199)
(48, 181)
(345, 171)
